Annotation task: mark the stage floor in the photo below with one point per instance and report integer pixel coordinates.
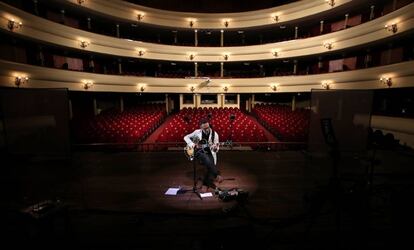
(118, 198)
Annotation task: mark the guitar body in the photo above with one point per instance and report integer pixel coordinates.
(200, 145)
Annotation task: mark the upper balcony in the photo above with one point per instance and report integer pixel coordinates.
(388, 26)
(283, 14)
(348, 15)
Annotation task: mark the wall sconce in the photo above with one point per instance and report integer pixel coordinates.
(330, 2)
(19, 80)
(140, 16)
(392, 27)
(275, 54)
(142, 88)
(328, 45)
(386, 80)
(226, 57)
(276, 19)
(83, 44)
(225, 89)
(87, 84)
(192, 56)
(326, 84)
(274, 87)
(226, 23)
(81, 2)
(192, 89)
(191, 23)
(141, 53)
(13, 25)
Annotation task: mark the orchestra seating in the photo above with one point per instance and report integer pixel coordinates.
(285, 124)
(240, 129)
(130, 126)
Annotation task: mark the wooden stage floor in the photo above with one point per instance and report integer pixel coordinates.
(117, 200)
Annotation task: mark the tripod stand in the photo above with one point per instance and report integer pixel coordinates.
(194, 188)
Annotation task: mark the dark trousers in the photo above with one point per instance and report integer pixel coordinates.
(207, 161)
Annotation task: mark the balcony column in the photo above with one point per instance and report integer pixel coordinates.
(166, 104)
(293, 103)
(175, 36)
(121, 104)
(320, 64)
(89, 25)
(70, 110)
(372, 14)
(296, 32)
(195, 69)
(120, 66)
(221, 38)
(295, 66)
(368, 58)
(195, 38)
(117, 31)
(321, 27)
(253, 101)
(95, 107)
(62, 16)
(35, 7)
(222, 69)
(346, 21)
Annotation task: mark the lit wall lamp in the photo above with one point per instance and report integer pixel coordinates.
(226, 23)
(81, 2)
(13, 25)
(392, 27)
(142, 88)
(140, 16)
(87, 84)
(83, 44)
(226, 57)
(192, 89)
(274, 87)
(276, 19)
(225, 89)
(275, 53)
(192, 56)
(387, 81)
(19, 80)
(191, 23)
(326, 84)
(328, 45)
(330, 2)
(141, 52)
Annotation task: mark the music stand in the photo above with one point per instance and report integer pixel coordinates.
(194, 188)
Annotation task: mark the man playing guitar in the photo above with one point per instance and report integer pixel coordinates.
(206, 151)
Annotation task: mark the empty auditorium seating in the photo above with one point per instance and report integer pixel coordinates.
(241, 129)
(131, 126)
(285, 124)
